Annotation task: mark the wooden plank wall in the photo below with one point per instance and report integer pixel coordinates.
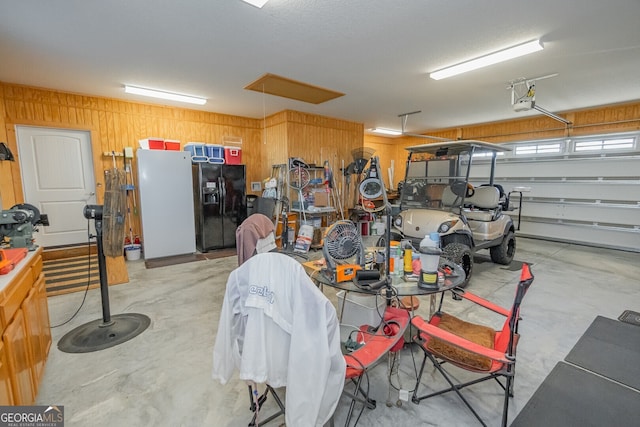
(114, 125)
(7, 193)
(117, 124)
(274, 143)
(318, 139)
(312, 138)
(605, 119)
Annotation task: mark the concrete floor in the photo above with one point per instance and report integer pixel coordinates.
(163, 376)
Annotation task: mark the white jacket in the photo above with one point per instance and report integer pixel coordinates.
(276, 327)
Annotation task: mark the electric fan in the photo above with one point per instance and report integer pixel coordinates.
(372, 187)
(341, 243)
(360, 159)
(109, 331)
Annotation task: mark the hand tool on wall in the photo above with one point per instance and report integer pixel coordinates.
(128, 156)
(129, 188)
(342, 186)
(331, 187)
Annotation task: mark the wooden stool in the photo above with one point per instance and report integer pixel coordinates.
(410, 303)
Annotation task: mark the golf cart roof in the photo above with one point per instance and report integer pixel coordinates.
(456, 147)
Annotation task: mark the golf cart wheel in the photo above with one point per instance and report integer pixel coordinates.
(461, 255)
(504, 252)
(382, 241)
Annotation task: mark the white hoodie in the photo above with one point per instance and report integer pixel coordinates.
(276, 327)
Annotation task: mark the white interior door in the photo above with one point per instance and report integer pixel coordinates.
(58, 179)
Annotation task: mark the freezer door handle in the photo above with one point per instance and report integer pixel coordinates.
(223, 199)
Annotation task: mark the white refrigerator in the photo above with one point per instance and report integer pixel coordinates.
(166, 203)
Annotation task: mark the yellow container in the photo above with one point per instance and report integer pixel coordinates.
(408, 260)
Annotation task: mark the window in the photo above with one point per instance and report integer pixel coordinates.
(544, 148)
(604, 144)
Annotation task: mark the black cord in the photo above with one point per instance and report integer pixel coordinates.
(395, 297)
(393, 294)
(86, 289)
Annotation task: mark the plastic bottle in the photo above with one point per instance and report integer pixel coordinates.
(408, 257)
(431, 240)
(429, 258)
(398, 263)
(393, 258)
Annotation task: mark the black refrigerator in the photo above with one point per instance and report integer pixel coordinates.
(219, 204)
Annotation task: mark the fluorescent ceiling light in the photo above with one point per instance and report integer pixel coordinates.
(256, 3)
(386, 131)
(492, 58)
(164, 95)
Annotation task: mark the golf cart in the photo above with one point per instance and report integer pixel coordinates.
(437, 196)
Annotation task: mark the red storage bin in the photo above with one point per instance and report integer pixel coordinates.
(233, 155)
(171, 144)
(152, 143)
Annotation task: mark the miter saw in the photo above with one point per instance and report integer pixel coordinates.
(18, 225)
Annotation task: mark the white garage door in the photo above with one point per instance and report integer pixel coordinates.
(584, 190)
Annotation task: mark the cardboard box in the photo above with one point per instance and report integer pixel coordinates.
(303, 241)
(321, 198)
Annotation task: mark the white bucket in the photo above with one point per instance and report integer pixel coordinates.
(132, 252)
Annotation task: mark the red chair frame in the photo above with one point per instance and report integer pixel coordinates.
(388, 337)
(501, 355)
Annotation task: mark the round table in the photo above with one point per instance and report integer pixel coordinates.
(400, 286)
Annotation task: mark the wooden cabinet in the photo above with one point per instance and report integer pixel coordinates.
(26, 332)
(6, 393)
(37, 323)
(15, 339)
(43, 311)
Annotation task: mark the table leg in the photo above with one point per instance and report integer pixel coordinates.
(432, 305)
(344, 302)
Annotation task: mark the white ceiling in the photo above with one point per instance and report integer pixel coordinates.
(378, 52)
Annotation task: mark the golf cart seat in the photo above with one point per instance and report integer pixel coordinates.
(483, 205)
(504, 197)
(448, 197)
